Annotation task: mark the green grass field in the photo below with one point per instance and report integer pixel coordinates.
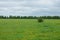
(29, 29)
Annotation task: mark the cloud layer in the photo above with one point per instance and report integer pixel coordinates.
(30, 7)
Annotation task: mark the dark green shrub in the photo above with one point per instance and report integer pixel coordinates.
(40, 20)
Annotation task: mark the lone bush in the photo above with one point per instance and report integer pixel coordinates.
(40, 20)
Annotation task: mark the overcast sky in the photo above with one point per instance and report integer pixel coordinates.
(30, 7)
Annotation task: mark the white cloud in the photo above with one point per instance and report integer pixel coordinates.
(43, 2)
(29, 7)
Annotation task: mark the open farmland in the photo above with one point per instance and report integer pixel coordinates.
(29, 29)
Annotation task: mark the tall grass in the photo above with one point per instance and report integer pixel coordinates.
(29, 29)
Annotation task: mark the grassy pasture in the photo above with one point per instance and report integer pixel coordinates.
(29, 29)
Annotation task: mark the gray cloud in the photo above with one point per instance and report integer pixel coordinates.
(29, 7)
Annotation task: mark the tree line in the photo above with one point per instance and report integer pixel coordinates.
(29, 17)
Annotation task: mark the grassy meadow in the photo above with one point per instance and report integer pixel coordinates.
(29, 29)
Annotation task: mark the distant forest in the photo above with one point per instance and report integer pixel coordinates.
(29, 17)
